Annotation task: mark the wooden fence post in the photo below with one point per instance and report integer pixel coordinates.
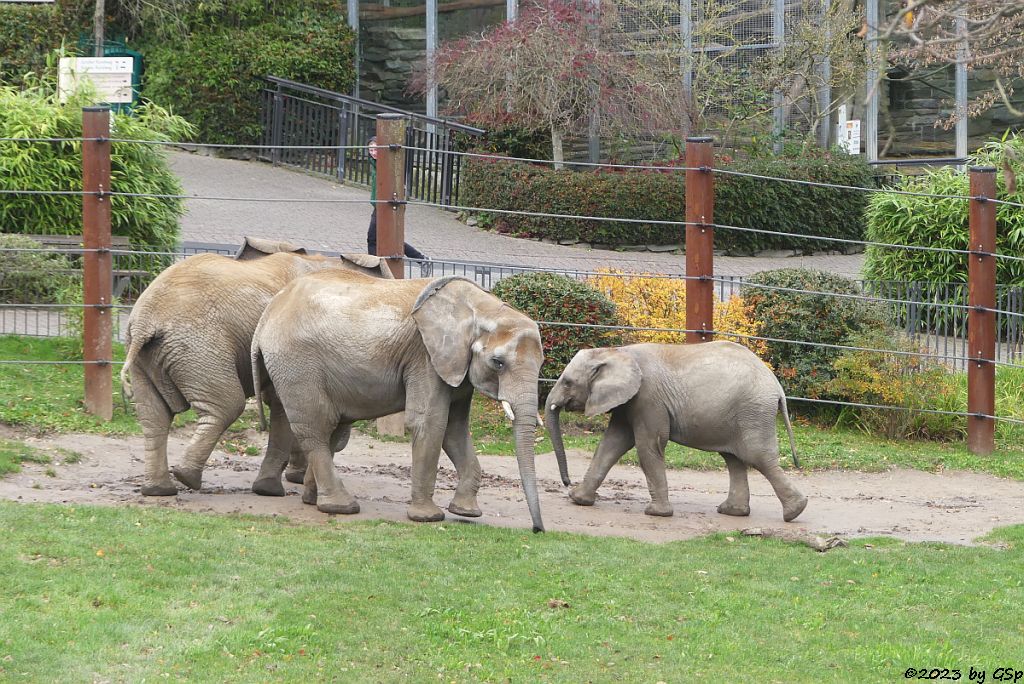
(391, 218)
(391, 187)
(700, 238)
(97, 262)
(981, 323)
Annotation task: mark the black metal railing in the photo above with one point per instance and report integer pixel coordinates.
(295, 114)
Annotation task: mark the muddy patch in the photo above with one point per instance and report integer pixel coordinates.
(912, 505)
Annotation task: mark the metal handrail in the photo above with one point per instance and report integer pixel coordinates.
(339, 97)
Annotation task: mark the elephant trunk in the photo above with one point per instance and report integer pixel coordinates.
(552, 421)
(523, 430)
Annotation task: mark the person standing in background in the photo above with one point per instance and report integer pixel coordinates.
(371, 234)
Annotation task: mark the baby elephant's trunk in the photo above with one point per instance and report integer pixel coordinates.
(552, 421)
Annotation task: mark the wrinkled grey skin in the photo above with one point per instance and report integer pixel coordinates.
(338, 349)
(715, 396)
(188, 340)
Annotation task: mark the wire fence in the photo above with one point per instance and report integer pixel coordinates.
(933, 315)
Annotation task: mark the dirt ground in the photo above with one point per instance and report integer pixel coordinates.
(911, 505)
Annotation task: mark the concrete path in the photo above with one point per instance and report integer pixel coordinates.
(342, 226)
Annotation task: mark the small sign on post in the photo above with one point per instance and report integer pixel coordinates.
(111, 77)
(848, 133)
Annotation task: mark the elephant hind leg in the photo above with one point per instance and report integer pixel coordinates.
(214, 419)
(738, 501)
(793, 502)
(155, 417)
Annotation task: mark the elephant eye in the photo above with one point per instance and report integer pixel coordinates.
(497, 363)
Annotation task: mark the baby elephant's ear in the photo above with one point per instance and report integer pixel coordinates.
(616, 381)
(254, 248)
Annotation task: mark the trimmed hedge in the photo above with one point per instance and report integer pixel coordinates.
(213, 75)
(26, 36)
(660, 195)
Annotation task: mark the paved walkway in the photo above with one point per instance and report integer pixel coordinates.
(342, 227)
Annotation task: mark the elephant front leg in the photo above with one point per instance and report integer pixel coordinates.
(738, 501)
(427, 426)
(617, 440)
(458, 444)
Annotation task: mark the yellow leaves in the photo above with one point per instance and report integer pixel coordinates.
(660, 302)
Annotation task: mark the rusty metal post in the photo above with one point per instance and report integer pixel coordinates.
(981, 320)
(97, 261)
(700, 238)
(391, 188)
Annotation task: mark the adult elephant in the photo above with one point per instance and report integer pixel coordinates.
(188, 339)
(340, 349)
(715, 396)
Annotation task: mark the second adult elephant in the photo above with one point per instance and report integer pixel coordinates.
(188, 340)
(339, 350)
(715, 396)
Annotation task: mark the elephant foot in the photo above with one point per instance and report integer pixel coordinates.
(268, 486)
(581, 497)
(663, 510)
(337, 507)
(739, 510)
(162, 488)
(794, 508)
(191, 478)
(464, 511)
(425, 512)
(309, 495)
(295, 476)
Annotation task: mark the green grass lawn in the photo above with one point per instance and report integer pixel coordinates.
(49, 398)
(104, 594)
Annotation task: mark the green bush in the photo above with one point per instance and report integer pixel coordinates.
(213, 74)
(36, 113)
(31, 277)
(804, 370)
(660, 195)
(931, 222)
(558, 298)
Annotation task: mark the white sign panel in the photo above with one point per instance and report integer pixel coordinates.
(849, 136)
(111, 77)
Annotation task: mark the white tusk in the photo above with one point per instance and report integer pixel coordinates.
(553, 407)
(508, 410)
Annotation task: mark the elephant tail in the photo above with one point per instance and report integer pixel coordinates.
(136, 342)
(789, 429)
(254, 359)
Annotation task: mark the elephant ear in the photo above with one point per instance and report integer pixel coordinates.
(616, 380)
(446, 321)
(254, 248)
(377, 266)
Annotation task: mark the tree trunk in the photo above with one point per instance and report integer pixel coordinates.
(556, 147)
(98, 21)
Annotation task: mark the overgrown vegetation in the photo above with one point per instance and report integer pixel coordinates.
(656, 195)
(943, 223)
(551, 297)
(35, 112)
(13, 454)
(660, 302)
(101, 593)
(207, 60)
(31, 277)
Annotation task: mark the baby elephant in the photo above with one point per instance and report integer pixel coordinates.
(715, 396)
